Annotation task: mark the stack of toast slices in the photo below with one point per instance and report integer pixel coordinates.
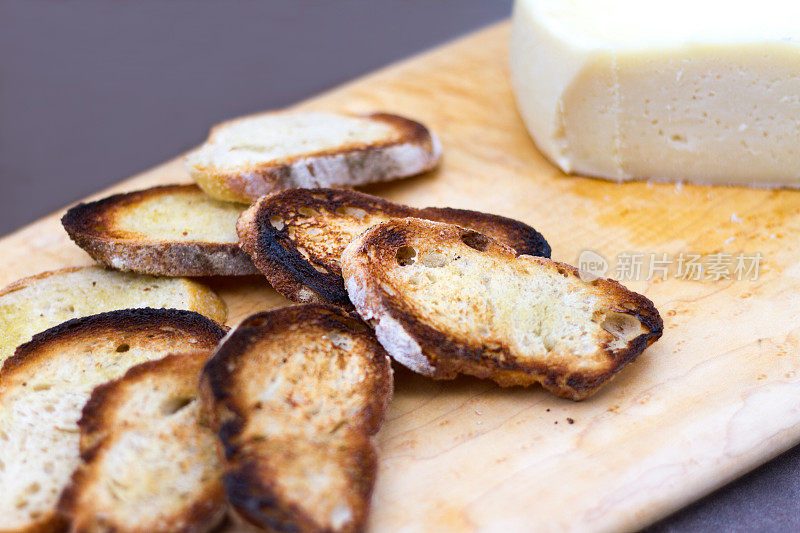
(44, 388)
(126, 405)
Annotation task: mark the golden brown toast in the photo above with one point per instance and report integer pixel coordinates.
(149, 464)
(446, 300)
(296, 237)
(172, 230)
(249, 157)
(46, 384)
(296, 395)
(47, 299)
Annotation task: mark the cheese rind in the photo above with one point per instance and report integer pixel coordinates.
(610, 89)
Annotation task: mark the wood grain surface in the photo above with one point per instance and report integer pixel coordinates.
(716, 396)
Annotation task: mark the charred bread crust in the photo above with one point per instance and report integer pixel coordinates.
(249, 482)
(167, 322)
(318, 278)
(203, 516)
(443, 357)
(415, 150)
(276, 257)
(521, 237)
(206, 512)
(49, 524)
(90, 226)
(257, 503)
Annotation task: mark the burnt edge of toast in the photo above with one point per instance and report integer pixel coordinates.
(130, 320)
(254, 499)
(258, 503)
(276, 175)
(453, 357)
(89, 225)
(207, 510)
(276, 255)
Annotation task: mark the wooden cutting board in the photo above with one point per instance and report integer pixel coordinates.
(716, 396)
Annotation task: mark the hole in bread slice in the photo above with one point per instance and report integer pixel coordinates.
(276, 222)
(475, 240)
(406, 256)
(175, 404)
(623, 327)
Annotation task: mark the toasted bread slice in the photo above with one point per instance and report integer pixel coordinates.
(42, 301)
(249, 157)
(296, 237)
(174, 230)
(46, 384)
(295, 394)
(446, 300)
(149, 463)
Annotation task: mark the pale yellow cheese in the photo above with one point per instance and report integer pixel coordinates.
(703, 90)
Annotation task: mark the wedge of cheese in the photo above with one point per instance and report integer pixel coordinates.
(699, 90)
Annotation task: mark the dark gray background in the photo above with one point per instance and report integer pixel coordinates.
(94, 91)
